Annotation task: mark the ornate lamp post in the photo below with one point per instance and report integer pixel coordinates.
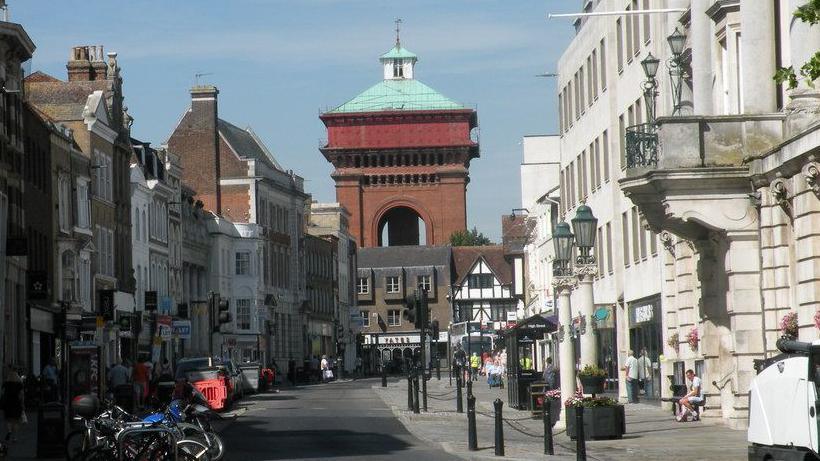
(563, 281)
(650, 66)
(677, 42)
(585, 225)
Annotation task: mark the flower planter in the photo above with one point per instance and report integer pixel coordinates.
(592, 384)
(599, 422)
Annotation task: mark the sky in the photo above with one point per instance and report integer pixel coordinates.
(279, 63)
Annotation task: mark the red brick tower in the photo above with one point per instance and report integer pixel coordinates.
(401, 153)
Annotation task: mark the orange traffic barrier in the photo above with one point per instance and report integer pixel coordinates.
(214, 391)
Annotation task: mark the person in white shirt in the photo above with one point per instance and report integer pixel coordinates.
(631, 369)
(693, 397)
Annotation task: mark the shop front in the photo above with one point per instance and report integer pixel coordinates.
(607, 337)
(645, 334)
(43, 338)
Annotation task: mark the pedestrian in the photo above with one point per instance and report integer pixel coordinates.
(118, 375)
(645, 373)
(549, 374)
(324, 365)
(692, 398)
(475, 362)
(52, 381)
(359, 371)
(631, 369)
(139, 375)
(292, 372)
(13, 403)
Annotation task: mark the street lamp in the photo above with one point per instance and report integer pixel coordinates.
(677, 42)
(585, 224)
(563, 239)
(650, 66)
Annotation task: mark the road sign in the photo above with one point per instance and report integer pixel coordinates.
(181, 329)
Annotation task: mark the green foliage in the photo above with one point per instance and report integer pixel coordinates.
(592, 370)
(810, 71)
(472, 238)
(589, 402)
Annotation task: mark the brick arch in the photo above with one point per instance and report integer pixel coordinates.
(406, 202)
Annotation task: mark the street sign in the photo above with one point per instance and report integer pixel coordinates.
(150, 300)
(37, 284)
(181, 329)
(164, 326)
(106, 307)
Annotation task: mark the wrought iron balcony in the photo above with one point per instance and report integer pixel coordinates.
(641, 145)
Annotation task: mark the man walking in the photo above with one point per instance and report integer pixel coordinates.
(645, 373)
(549, 374)
(475, 362)
(631, 369)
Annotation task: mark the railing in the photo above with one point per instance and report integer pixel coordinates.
(641, 145)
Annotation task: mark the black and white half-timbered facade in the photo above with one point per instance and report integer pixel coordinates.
(483, 287)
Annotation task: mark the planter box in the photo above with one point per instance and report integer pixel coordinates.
(599, 422)
(592, 384)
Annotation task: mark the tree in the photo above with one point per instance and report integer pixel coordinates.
(810, 14)
(472, 238)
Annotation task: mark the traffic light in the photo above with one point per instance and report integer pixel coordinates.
(224, 311)
(434, 326)
(411, 311)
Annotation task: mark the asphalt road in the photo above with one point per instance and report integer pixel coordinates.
(320, 422)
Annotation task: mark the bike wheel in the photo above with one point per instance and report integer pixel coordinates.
(76, 443)
(192, 450)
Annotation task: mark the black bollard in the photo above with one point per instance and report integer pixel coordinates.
(469, 387)
(472, 438)
(547, 415)
(384, 378)
(424, 391)
(409, 393)
(438, 368)
(581, 443)
(416, 394)
(499, 428)
(459, 396)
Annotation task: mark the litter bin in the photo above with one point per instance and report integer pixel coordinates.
(50, 430)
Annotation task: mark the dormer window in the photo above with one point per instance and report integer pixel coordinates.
(398, 68)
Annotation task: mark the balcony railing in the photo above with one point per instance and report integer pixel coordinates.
(641, 145)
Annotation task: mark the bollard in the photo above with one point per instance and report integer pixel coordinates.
(499, 428)
(416, 394)
(469, 388)
(424, 391)
(581, 444)
(459, 396)
(409, 393)
(384, 378)
(472, 438)
(438, 369)
(547, 416)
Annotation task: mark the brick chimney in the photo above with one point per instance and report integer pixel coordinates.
(196, 141)
(86, 63)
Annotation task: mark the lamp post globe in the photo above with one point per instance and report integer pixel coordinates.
(563, 240)
(676, 42)
(650, 66)
(584, 224)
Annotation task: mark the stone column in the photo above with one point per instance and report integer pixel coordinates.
(566, 350)
(804, 105)
(757, 43)
(701, 42)
(589, 345)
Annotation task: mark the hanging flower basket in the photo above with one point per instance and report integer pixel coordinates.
(693, 339)
(788, 325)
(674, 342)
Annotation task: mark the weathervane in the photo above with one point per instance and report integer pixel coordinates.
(398, 22)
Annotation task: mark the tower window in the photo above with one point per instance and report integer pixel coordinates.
(398, 68)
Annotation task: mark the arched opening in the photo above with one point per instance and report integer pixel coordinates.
(402, 226)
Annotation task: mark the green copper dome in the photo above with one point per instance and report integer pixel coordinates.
(397, 52)
(399, 94)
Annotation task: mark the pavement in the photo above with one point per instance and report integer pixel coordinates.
(651, 431)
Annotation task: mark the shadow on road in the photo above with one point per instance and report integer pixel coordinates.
(255, 440)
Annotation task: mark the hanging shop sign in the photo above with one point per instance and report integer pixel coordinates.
(641, 313)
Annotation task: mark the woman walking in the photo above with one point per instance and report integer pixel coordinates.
(12, 403)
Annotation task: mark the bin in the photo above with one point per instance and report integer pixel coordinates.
(250, 377)
(51, 430)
